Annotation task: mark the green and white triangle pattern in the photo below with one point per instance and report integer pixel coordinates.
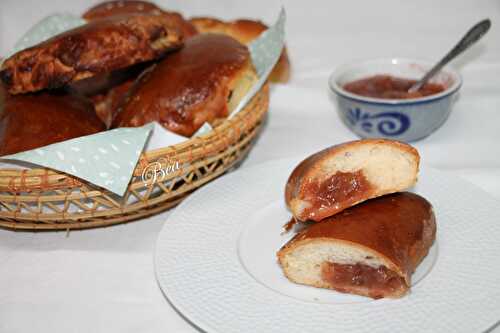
(106, 159)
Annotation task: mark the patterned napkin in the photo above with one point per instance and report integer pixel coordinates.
(265, 52)
(108, 159)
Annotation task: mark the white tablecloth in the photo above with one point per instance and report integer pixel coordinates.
(103, 280)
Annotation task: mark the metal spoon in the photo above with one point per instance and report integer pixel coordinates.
(473, 35)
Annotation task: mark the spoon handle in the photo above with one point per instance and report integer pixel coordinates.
(473, 35)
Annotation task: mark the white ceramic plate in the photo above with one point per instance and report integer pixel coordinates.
(216, 263)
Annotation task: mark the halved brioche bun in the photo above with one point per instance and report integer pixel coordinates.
(370, 249)
(344, 175)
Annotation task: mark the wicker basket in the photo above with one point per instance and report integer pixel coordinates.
(45, 199)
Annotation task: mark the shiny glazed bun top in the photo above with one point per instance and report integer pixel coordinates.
(202, 82)
(245, 31)
(36, 120)
(120, 7)
(97, 47)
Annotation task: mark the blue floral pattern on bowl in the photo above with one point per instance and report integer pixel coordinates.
(387, 123)
(398, 119)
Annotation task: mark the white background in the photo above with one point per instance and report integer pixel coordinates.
(103, 280)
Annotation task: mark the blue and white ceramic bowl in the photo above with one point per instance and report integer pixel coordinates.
(399, 119)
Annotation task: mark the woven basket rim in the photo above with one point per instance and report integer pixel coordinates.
(70, 181)
(45, 199)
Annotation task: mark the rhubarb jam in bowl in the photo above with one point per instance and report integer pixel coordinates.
(373, 99)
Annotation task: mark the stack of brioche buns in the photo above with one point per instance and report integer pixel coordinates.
(131, 63)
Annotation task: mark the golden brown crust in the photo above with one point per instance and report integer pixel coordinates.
(36, 120)
(108, 90)
(106, 104)
(182, 92)
(245, 31)
(187, 29)
(310, 168)
(399, 227)
(3, 96)
(121, 7)
(97, 47)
